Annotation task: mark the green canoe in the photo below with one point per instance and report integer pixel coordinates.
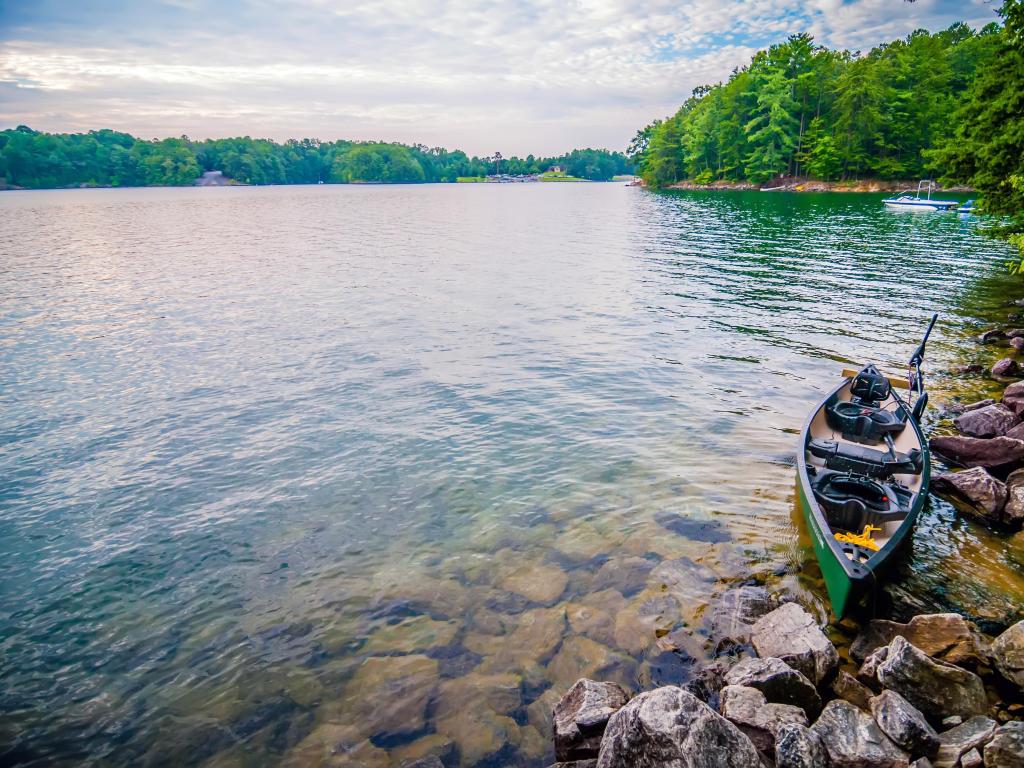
(862, 478)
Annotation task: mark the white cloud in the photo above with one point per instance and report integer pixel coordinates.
(539, 76)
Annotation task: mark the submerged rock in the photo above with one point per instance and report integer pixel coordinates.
(853, 739)
(987, 421)
(537, 582)
(390, 694)
(733, 615)
(936, 688)
(958, 741)
(628, 574)
(670, 727)
(790, 633)
(982, 494)
(1008, 654)
(946, 636)
(760, 721)
(780, 683)
(1006, 749)
(975, 452)
(992, 334)
(581, 715)
(582, 657)
(797, 746)
(339, 746)
(904, 724)
(956, 409)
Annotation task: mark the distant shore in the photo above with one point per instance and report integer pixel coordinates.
(813, 185)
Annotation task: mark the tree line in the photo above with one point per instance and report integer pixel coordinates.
(105, 158)
(800, 109)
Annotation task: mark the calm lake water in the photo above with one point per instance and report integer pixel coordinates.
(344, 475)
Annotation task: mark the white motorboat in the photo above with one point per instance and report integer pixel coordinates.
(908, 201)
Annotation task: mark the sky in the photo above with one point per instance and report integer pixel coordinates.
(519, 77)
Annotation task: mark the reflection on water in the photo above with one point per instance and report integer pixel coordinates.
(353, 475)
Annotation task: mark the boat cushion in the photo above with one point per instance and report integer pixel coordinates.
(866, 461)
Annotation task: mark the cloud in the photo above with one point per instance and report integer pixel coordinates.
(537, 76)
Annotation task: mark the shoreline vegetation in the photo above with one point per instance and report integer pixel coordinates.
(32, 159)
(814, 185)
(799, 109)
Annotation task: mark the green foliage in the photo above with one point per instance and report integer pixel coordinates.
(986, 149)
(799, 109)
(32, 159)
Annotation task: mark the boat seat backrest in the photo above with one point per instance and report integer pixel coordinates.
(870, 387)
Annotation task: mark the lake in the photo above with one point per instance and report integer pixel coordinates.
(344, 475)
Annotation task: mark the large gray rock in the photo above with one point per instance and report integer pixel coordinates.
(799, 747)
(1006, 749)
(973, 490)
(850, 689)
(987, 421)
(1013, 397)
(581, 715)
(780, 683)
(936, 688)
(1013, 511)
(853, 740)
(1005, 368)
(956, 742)
(1008, 654)
(904, 724)
(975, 452)
(670, 728)
(759, 720)
(868, 672)
(733, 615)
(790, 633)
(945, 636)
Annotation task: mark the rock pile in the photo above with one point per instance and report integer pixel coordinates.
(991, 448)
(916, 700)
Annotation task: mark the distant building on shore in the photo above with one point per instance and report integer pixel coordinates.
(213, 179)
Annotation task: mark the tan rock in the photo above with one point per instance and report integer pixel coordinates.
(336, 746)
(388, 694)
(499, 693)
(414, 634)
(479, 733)
(582, 657)
(537, 582)
(431, 745)
(592, 622)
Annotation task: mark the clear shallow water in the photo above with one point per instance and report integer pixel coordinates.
(337, 475)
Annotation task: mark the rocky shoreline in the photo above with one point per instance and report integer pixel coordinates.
(935, 691)
(932, 692)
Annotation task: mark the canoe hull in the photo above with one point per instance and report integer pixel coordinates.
(848, 585)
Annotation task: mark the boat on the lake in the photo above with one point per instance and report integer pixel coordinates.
(913, 201)
(862, 477)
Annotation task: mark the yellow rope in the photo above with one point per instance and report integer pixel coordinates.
(861, 539)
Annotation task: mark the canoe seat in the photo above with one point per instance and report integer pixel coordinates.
(866, 461)
(851, 502)
(863, 419)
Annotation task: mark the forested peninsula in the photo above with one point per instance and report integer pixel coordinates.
(800, 109)
(34, 160)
